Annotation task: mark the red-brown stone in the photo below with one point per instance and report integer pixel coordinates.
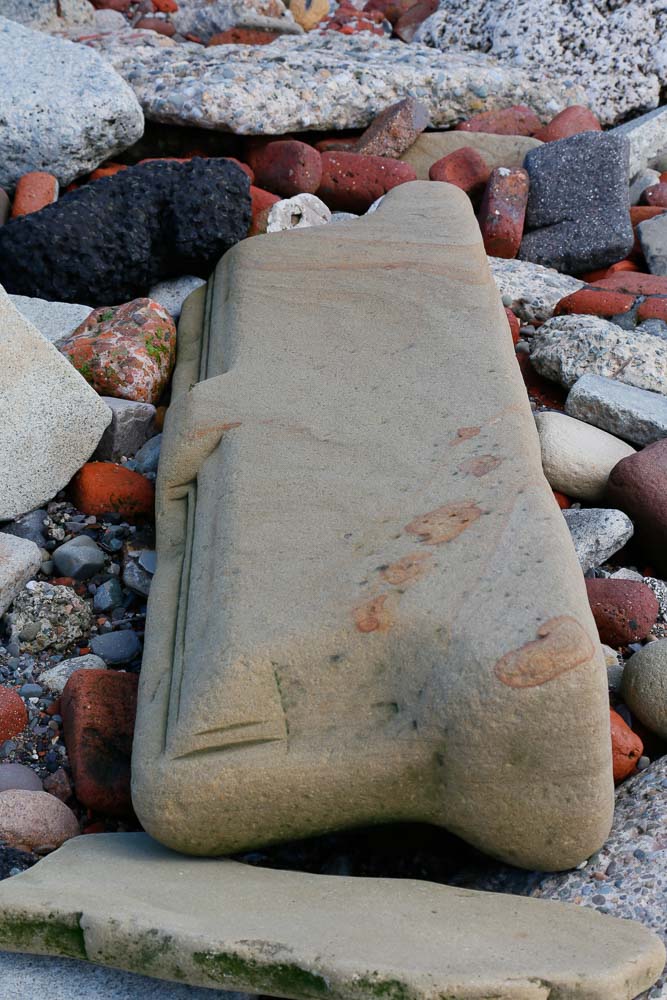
(163, 27)
(595, 302)
(563, 502)
(517, 120)
(287, 168)
(539, 388)
(503, 210)
(640, 213)
(394, 130)
(165, 6)
(569, 121)
(626, 747)
(99, 709)
(654, 307)
(351, 182)
(13, 715)
(34, 191)
(635, 283)
(638, 485)
(261, 203)
(107, 170)
(655, 195)
(406, 26)
(465, 168)
(243, 36)
(515, 326)
(392, 10)
(103, 487)
(625, 611)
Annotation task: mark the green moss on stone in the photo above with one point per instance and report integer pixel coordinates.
(278, 978)
(52, 935)
(385, 989)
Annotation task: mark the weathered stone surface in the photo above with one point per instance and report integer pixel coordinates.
(30, 820)
(268, 89)
(597, 533)
(62, 108)
(578, 214)
(647, 137)
(79, 558)
(130, 427)
(52, 420)
(567, 347)
(55, 678)
(653, 239)
(54, 320)
(576, 457)
(44, 15)
(204, 18)
(45, 616)
(173, 292)
(282, 685)
(638, 485)
(531, 291)
(644, 686)
(220, 923)
(143, 224)
(497, 150)
(633, 414)
(20, 560)
(614, 50)
(18, 776)
(394, 130)
(300, 212)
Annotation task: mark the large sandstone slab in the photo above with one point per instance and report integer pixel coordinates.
(317, 81)
(496, 150)
(125, 901)
(52, 420)
(367, 606)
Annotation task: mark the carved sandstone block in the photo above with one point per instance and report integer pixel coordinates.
(367, 606)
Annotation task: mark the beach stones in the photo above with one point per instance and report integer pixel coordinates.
(44, 402)
(464, 167)
(103, 487)
(394, 130)
(503, 211)
(63, 109)
(644, 686)
(578, 216)
(47, 616)
(32, 821)
(150, 222)
(597, 533)
(352, 182)
(20, 560)
(337, 581)
(633, 414)
(495, 150)
(625, 611)
(288, 168)
(125, 351)
(13, 715)
(517, 120)
(576, 457)
(131, 426)
(638, 485)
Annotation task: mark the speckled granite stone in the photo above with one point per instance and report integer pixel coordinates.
(318, 81)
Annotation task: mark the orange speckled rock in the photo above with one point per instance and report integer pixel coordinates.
(125, 351)
(13, 716)
(626, 747)
(101, 487)
(34, 191)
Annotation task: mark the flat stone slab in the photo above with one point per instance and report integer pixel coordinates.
(320, 81)
(125, 901)
(496, 150)
(636, 415)
(334, 634)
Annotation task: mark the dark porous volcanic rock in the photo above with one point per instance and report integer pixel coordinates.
(109, 241)
(578, 215)
(638, 486)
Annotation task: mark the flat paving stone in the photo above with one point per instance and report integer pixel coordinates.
(347, 495)
(636, 415)
(125, 901)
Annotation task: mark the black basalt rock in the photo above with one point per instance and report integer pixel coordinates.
(109, 241)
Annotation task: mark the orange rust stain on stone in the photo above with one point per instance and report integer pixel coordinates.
(408, 569)
(373, 616)
(204, 432)
(464, 434)
(561, 645)
(444, 523)
(479, 467)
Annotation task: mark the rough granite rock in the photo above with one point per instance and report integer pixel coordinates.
(578, 213)
(531, 291)
(52, 420)
(20, 560)
(635, 415)
(54, 320)
(110, 241)
(328, 81)
(49, 15)
(55, 678)
(45, 616)
(123, 900)
(336, 579)
(62, 108)
(614, 50)
(130, 427)
(597, 533)
(567, 347)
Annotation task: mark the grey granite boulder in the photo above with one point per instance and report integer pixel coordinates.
(615, 50)
(567, 347)
(54, 320)
(318, 81)
(578, 213)
(597, 533)
(20, 560)
(49, 15)
(52, 420)
(62, 108)
(173, 292)
(131, 426)
(633, 414)
(125, 901)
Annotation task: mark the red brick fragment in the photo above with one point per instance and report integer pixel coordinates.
(563, 502)
(165, 6)
(392, 10)
(656, 195)
(13, 715)
(261, 203)
(503, 211)
(34, 191)
(394, 130)
(103, 487)
(540, 389)
(636, 283)
(288, 167)
(406, 26)
(122, 5)
(465, 168)
(569, 121)
(99, 709)
(515, 326)
(595, 302)
(517, 120)
(351, 182)
(640, 213)
(243, 36)
(107, 170)
(336, 145)
(348, 20)
(654, 307)
(620, 265)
